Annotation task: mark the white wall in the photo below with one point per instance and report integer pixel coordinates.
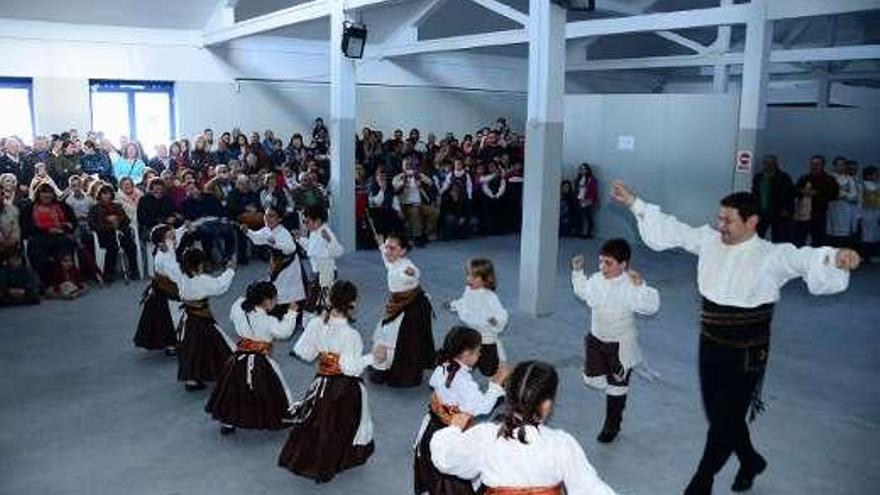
(681, 159)
(795, 134)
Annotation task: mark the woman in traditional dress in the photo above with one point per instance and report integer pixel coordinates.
(251, 391)
(332, 429)
(405, 328)
(203, 348)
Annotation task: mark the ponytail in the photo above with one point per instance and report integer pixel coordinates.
(342, 298)
(257, 292)
(530, 385)
(458, 340)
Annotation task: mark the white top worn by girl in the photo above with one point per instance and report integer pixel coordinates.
(549, 458)
(614, 303)
(338, 337)
(323, 253)
(744, 275)
(289, 281)
(165, 262)
(204, 286)
(475, 308)
(398, 281)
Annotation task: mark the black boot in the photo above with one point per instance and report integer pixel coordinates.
(745, 477)
(614, 407)
(699, 485)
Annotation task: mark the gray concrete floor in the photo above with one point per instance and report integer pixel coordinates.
(84, 412)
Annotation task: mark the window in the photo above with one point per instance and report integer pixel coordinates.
(16, 100)
(135, 109)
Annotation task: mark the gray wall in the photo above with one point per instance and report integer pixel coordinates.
(291, 107)
(795, 134)
(681, 159)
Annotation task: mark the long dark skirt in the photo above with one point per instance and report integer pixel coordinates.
(155, 328)
(414, 351)
(426, 477)
(203, 349)
(251, 393)
(321, 442)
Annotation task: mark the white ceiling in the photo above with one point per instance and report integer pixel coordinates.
(177, 14)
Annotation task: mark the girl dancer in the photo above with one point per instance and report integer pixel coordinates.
(322, 248)
(480, 308)
(155, 328)
(517, 453)
(406, 325)
(285, 265)
(332, 430)
(203, 347)
(251, 392)
(454, 391)
(614, 294)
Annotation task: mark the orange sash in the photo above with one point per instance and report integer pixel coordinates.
(248, 345)
(328, 364)
(506, 490)
(445, 412)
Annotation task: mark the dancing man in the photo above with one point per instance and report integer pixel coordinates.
(739, 276)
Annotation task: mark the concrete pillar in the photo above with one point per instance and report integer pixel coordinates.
(539, 241)
(343, 111)
(721, 73)
(752, 106)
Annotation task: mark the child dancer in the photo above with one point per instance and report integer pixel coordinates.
(251, 392)
(285, 265)
(454, 391)
(155, 328)
(203, 348)
(332, 430)
(322, 247)
(614, 294)
(405, 329)
(480, 308)
(517, 453)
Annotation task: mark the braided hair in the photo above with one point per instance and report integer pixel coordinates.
(458, 340)
(530, 384)
(257, 292)
(342, 298)
(157, 236)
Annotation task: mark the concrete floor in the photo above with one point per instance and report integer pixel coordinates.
(84, 412)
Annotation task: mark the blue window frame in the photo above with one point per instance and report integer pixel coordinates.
(138, 110)
(17, 102)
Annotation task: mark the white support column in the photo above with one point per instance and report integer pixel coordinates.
(343, 111)
(752, 107)
(539, 241)
(721, 71)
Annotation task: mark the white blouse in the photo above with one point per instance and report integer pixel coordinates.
(336, 336)
(259, 325)
(464, 391)
(165, 262)
(550, 457)
(204, 286)
(398, 279)
(476, 307)
(289, 281)
(323, 254)
(744, 275)
(614, 301)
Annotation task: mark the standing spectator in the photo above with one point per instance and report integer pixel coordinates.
(201, 158)
(13, 161)
(129, 197)
(493, 209)
(129, 165)
(65, 163)
(455, 213)
(416, 190)
(385, 211)
(113, 228)
(568, 210)
(155, 208)
(162, 161)
(843, 209)
(870, 213)
(95, 162)
(587, 188)
(243, 205)
(775, 193)
(813, 191)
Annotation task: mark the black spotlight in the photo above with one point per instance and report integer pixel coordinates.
(354, 37)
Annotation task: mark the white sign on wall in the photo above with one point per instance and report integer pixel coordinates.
(744, 161)
(626, 143)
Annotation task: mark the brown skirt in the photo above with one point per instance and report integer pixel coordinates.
(155, 328)
(426, 477)
(203, 349)
(325, 424)
(414, 351)
(250, 394)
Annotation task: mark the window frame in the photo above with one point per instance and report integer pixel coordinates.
(23, 83)
(130, 89)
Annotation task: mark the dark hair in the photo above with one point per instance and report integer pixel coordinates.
(400, 239)
(316, 212)
(839, 158)
(821, 158)
(341, 298)
(157, 235)
(870, 169)
(483, 269)
(530, 384)
(193, 260)
(458, 340)
(745, 203)
(616, 248)
(257, 292)
(156, 181)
